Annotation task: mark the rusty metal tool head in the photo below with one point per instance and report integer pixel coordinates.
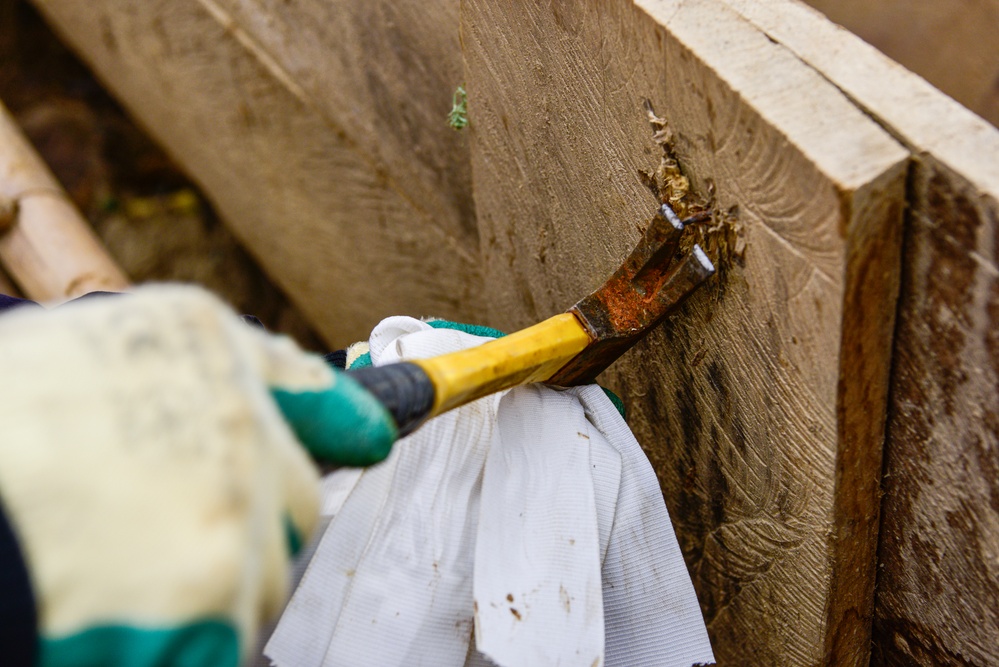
(650, 284)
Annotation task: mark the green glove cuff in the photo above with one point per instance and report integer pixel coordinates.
(364, 360)
(201, 644)
(341, 425)
(473, 329)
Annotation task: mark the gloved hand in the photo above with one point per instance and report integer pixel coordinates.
(153, 485)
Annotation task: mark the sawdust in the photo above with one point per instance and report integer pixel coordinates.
(720, 236)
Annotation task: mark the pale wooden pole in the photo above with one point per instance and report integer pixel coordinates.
(46, 246)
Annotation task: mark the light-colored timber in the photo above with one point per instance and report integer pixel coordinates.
(938, 558)
(45, 244)
(953, 44)
(762, 403)
(321, 155)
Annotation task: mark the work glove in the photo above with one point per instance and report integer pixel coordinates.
(154, 485)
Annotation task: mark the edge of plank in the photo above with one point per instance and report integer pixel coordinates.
(861, 161)
(907, 106)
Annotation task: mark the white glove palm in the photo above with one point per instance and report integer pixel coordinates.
(150, 476)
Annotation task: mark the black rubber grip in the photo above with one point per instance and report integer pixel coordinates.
(403, 388)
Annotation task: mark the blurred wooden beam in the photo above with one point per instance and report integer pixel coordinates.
(318, 130)
(45, 244)
(938, 572)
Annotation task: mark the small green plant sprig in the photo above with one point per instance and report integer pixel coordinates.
(458, 118)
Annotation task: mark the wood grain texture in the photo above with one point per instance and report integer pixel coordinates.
(45, 244)
(761, 404)
(317, 129)
(938, 556)
(384, 72)
(952, 43)
(348, 231)
(938, 585)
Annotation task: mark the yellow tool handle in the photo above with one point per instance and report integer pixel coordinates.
(529, 355)
(413, 391)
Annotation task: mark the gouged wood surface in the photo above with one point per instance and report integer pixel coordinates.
(952, 43)
(938, 556)
(336, 225)
(761, 404)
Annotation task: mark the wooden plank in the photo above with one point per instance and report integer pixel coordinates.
(950, 43)
(349, 233)
(938, 587)
(762, 403)
(938, 569)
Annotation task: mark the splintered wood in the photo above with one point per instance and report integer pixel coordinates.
(762, 403)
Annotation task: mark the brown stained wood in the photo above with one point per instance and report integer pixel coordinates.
(762, 403)
(9, 35)
(938, 582)
(938, 586)
(336, 225)
(45, 244)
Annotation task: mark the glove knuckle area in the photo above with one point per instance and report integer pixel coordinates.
(289, 368)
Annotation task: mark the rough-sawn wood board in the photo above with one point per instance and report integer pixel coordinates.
(762, 403)
(938, 556)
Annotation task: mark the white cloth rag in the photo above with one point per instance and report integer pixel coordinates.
(532, 516)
